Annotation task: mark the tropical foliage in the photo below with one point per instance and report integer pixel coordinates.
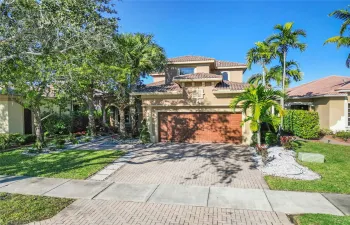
(262, 54)
(343, 39)
(259, 100)
(275, 73)
(285, 40)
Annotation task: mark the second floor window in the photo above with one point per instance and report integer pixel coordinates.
(224, 75)
(186, 70)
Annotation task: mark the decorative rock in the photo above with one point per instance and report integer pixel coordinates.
(311, 157)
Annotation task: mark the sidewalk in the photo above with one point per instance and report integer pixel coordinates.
(219, 197)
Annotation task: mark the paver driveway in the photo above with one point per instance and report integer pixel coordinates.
(192, 164)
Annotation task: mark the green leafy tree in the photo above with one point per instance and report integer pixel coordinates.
(261, 54)
(137, 56)
(36, 36)
(286, 39)
(275, 74)
(258, 100)
(343, 39)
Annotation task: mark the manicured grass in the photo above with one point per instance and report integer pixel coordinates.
(321, 219)
(335, 171)
(74, 164)
(22, 209)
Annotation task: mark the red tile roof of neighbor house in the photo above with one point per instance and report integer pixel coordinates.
(192, 58)
(327, 86)
(198, 76)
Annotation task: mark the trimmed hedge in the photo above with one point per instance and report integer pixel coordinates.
(304, 124)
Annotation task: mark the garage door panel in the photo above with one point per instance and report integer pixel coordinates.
(200, 127)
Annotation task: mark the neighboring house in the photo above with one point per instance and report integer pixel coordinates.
(14, 118)
(190, 101)
(329, 96)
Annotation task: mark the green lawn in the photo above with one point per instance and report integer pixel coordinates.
(321, 219)
(22, 209)
(74, 164)
(335, 171)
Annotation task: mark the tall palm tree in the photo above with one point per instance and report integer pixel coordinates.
(286, 39)
(275, 73)
(262, 54)
(342, 40)
(259, 100)
(138, 56)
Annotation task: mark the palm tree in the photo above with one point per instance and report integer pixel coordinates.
(138, 55)
(259, 100)
(341, 40)
(275, 73)
(262, 54)
(285, 40)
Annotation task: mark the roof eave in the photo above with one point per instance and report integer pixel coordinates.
(231, 67)
(198, 80)
(316, 96)
(156, 93)
(227, 91)
(192, 62)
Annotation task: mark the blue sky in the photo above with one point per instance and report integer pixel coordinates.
(227, 29)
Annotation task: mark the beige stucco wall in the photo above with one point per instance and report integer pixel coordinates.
(235, 75)
(331, 110)
(16, 118)
(210, 102)
(4, 121)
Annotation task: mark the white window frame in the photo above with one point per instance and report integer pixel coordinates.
(178, 70)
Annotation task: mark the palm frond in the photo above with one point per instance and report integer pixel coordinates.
(342, 14)
(347, 63)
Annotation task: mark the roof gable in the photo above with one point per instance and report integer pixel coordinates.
(327, 86)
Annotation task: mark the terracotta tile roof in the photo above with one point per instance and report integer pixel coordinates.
(160, 86)
(189, 58)
(192, 58)
(346, 86)
(230, 86)
(322, 87)
(198, 76)
(220, 63)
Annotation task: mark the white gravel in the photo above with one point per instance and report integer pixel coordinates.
(282, 163)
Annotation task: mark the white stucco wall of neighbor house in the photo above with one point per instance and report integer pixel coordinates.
(16, 117)
(4, 121)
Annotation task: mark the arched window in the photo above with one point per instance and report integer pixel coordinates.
(224, 75)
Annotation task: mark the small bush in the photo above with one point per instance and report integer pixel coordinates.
(270, 138)
(145, 135)
(29, 138)
(59, 141)
(325, 131)
(254, 141)
(57, 124)
(304, 124)
(345, 135)
(287, 142)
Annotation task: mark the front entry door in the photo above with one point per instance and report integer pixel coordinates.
(28, 125)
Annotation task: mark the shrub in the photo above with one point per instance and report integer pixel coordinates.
(57, 124)
(145, 136)
(29, 138)
(287, 141)
(325, 131)
(59, 141)
(304, 124)
(270, 138)
(345, 135)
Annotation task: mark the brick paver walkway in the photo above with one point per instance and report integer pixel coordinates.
(113, 212)
(192, 164)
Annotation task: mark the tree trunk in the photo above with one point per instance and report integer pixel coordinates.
(112, 116)
(258, 135)
(104, 115)
(263, 74)
(122, 122)
(283, 85)
(133, 116)
(92, 124)
(38, 127)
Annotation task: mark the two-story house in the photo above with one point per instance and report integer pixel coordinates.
(190, 102)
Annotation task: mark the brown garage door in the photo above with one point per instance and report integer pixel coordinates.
(200, 127)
